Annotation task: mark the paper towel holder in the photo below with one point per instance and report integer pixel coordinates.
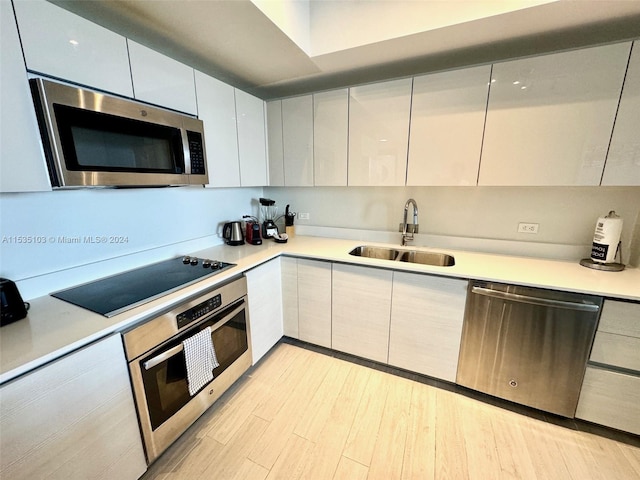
(606, 267)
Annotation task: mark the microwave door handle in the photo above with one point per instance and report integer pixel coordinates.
(178, 348)
(186, 151)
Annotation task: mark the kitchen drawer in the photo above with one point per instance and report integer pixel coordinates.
(622, 318)
(610, 398)
(616, 350)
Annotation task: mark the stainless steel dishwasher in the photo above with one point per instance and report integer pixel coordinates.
(527, 345)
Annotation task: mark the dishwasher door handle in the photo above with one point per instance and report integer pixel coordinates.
(545, 302)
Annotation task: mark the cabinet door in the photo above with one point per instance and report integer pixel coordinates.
(447, 123)
(550, 117)
(623, 159)
(274, 141)
(297, 136)
(426, 324)
(330, 129)
(59, 43)
(73, 419)
(610, 398)
(265, 307)
(314, 302)
(379, 133)
(361, 311)
(161, 80)
(23, 168)
(217, 110)
(290, 296)
(252, 142)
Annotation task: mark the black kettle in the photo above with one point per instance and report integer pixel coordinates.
(232, 233)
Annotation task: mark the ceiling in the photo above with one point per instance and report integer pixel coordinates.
(278, 48)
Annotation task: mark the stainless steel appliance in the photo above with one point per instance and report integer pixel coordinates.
(232, 233)
(527, 345)
(94, 139)
(118, 293)
(155, 353)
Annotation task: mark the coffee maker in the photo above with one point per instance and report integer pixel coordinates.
(252, 230)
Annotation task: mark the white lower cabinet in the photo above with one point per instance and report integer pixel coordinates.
(72, 419)
(289, 267)
(610, 392)
(610, 398)
(314, 302)
(265, 307)
(426, 324)
(361, 310)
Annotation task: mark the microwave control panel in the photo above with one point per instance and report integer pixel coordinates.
(196, 152)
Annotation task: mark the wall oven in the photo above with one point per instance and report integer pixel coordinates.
(159, 371)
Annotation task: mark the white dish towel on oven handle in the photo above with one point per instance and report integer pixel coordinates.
(200, 358)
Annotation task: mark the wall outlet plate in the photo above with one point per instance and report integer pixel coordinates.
(528, 227)
(303, 216)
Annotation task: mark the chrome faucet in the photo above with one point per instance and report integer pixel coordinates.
(409, 229)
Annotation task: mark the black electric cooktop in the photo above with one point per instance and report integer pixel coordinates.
(118, 293)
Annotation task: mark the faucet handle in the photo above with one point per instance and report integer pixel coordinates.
(411, 228)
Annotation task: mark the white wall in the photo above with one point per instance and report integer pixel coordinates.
(566, 215)
(39, 231)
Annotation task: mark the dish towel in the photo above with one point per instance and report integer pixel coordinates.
(200, 358)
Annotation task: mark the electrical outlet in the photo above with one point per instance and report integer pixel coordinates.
(528, 227)
(303, 216)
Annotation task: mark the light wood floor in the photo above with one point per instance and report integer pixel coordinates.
(304, 415)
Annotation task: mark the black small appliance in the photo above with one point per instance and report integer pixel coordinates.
(12, 308)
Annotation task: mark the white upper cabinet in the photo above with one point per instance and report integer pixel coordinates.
(379, 133)
(549, 118)
(447, 123)
(623, 160)
(252, 142)
(297, 138)
(217, 110)
(161, 80)
(330, 135)
(61, 44)
(274, 143)
(22, 165)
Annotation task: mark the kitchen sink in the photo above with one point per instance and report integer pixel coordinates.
(427, 258)
(375, 252)
(409, 256)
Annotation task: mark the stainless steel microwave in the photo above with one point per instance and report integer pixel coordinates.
(93, 139)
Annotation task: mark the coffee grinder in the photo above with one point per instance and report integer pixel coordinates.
(268, 212)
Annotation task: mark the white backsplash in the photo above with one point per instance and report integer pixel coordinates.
(488, 216)
(53, 240)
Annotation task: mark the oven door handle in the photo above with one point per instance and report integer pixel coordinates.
(178, 348)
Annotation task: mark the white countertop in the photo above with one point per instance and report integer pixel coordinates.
(54, 328)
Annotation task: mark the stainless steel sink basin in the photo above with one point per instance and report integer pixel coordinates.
(428, 258)
(375, 252)
(410, 256)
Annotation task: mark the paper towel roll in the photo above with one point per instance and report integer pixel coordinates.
(606, 238)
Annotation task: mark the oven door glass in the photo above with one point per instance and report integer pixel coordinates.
(165, 382)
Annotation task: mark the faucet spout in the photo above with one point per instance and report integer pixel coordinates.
(407, 233)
